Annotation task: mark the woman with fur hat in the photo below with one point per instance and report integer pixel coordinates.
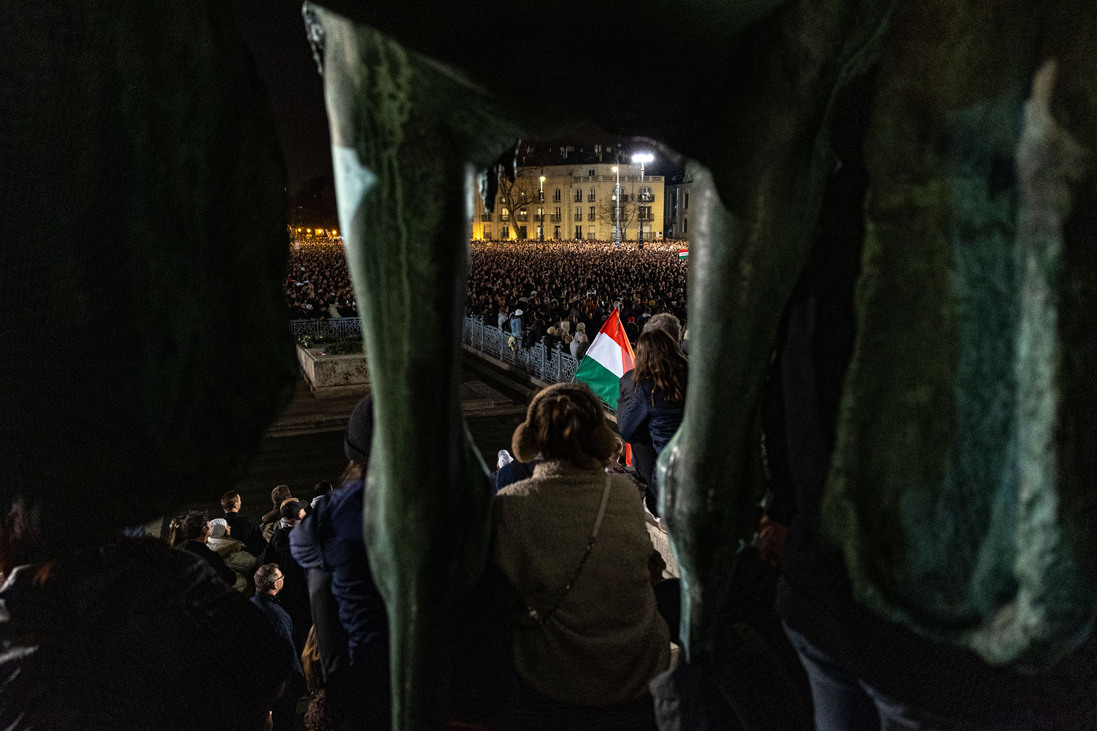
(572, 543)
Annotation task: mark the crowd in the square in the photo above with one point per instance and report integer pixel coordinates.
(546, 292)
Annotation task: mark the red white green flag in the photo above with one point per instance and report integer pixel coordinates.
(608, 358)
(683, 253)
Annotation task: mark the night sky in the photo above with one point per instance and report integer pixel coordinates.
(274, 31)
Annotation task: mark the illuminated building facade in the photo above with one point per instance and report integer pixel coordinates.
(574, 199)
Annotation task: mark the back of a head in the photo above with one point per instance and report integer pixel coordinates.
(565, 421)
(230, 500)
(666, 322)
(659, 360)
(280, 494)
(194, 523)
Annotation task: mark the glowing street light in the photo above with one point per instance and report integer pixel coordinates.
(541, 211)
(617, 197)
(642, 158)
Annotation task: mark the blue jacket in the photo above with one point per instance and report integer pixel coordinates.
(330, 539)
(279, 619)
(646, 410)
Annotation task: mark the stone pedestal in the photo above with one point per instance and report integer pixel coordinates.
(333, 375)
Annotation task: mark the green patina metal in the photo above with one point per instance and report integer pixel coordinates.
(406, 138)
(949, 491)
(962, 491)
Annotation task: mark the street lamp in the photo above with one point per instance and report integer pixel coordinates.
(617, 197)
(541, 211)
(641, 157)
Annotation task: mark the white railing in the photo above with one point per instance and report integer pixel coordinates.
(556, 366)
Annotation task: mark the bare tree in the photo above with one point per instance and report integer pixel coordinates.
(515, 195)
(607, 213)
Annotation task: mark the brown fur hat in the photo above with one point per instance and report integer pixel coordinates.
(565, 421)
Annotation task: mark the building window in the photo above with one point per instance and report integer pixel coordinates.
(522, 214)
(590, 215)
(685, 205)
(590, 173)
(578, 195)
(556, 196)
(557, 216)
(556, 232)
(578, 214)
(504, 215)
(506, 232)
(590, 195)
(578, 232)
(487, 232)
(646, 194)
(685, 225)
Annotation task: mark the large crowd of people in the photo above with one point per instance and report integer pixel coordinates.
(546, 283)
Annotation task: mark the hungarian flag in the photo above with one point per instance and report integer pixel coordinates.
(608, 358)
(683, 253)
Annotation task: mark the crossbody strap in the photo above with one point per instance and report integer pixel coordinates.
(539, 618)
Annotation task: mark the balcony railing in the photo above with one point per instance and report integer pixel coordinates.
(646, 198)
(591, 217)
(557, 217)
(485, 217)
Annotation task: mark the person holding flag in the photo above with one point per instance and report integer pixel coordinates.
(651, 399)
(608, 359)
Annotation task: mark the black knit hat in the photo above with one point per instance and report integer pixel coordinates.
(359, 435)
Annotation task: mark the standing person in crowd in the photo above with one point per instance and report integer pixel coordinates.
(242, 528)
(271, 520)
(269, 581)
(351, 620)
(516, 326)
(651, 399)
(573, 546)
(580, 342)
(232, 552)
(321, 491)
(294, 593)
(192, 534)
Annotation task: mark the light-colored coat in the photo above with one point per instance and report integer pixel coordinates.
(606, 639)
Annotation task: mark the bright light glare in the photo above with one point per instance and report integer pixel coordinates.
(643, 157)
(614, 168)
